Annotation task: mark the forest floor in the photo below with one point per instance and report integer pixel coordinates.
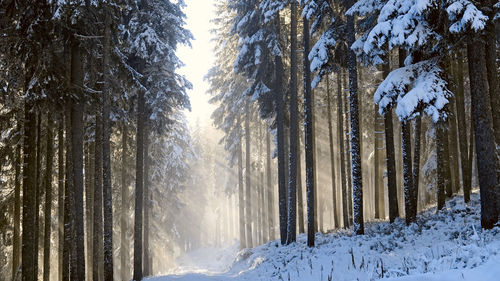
(449, 245)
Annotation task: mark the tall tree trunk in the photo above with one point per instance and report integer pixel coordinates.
(16, 243)
(139, 181)
(60, 195)
(77, 152)
(124, 249)
(241, 195)
(248, 168)
(483, 129)
(392, 188)
(492, 72)
(280, 123)
(68, 183)
(340, 137)
(462, 134)
(446, 162)
(410, 205)
(453, 144)
(440, 135)
(292, 171)
(308, 131)
(97, 259)
(29, 187)
(270, 187)
(48, 198)
(39, 187)
(147, 256)
(416, 158)
(378, 167)
(300, 197)
(89, 205)
(357, 183)
(347, 154)
(106, 158)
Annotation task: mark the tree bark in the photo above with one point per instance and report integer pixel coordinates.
(29, 187)
(484, 135)
(89, 205)
(147, 256)
(292, 176)
(340, 137)
(270, 187)
(280, 123)
(68, 233)
(39, 188)
(357, 183)
(139, 181)
(106, 157)
(60, 195)
(248, 168)
(378, 167)
(97, 259)
(416, 158)
(462, 134)
(124, 249)
(77, 156)
(48, 198)
(336, 219)
(241, 195)
(409, 189)
(446, 162)
(16, 243)
(440, 165)
(308, 129)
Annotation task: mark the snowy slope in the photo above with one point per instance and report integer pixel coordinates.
(445, 246)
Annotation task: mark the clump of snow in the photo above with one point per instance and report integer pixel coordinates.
(448, 245)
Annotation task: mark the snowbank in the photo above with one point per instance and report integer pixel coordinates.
(449, 245)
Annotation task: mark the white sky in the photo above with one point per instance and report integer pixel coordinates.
(198, 59)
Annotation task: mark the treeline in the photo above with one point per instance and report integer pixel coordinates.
(90, 102)
(376, 110)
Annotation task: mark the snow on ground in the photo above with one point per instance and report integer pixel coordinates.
(449, 245)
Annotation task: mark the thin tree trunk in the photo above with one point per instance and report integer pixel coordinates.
(97, 259)
(60, 195)
(410, 205)
(77, 152)
(340, 137)
(378, 167)
(124, 249)
(462, 134)
(280, 120)
(308, 131)
(248, 168)
(347, 154)
(483, 129)
(292, 176)
(357, 183)
(492, 73)
(139, 181)
(16, 243)
(416, 158)
(68, 183)
(440, 135)
(270, 187)
(106, 158)
(146, 260)
(39, 188)
(89, 205)
(48, 198)
(29, 187)
(300, 197)
(241, 195)
(454, 165)
(446, 162)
